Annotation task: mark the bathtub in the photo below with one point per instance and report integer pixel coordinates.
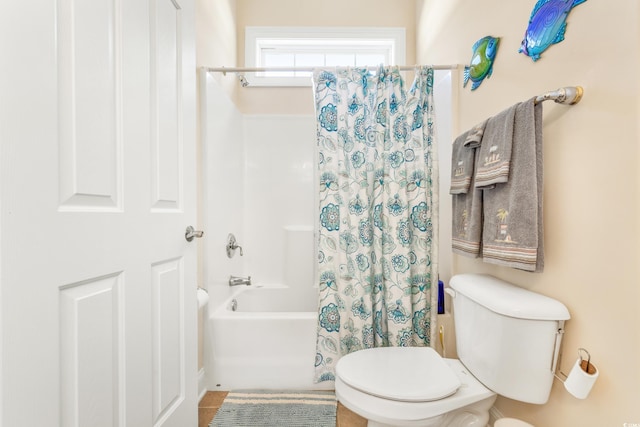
(267, 342)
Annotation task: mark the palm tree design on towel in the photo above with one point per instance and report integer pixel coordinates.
(502, 234)
(464, 224)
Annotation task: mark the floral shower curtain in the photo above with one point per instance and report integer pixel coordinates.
(377, 235)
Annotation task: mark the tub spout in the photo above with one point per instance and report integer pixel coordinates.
(236, 280)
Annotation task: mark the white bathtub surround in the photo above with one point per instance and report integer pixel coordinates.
(259, 186)
(279, 193)
(222, 133)
(268, 342)
(258, 174)
(299, 255)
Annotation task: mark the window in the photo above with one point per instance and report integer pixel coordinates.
(313, 47)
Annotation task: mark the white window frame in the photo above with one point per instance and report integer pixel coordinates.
(314, 39)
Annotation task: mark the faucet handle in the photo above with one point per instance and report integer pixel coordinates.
(232, 245)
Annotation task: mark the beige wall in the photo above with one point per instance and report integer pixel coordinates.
(216, 37)
(591, 182)
(301, 13)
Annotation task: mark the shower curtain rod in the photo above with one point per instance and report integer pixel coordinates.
(225, 70)
(567, 95)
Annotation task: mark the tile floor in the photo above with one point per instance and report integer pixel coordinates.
(213, 400)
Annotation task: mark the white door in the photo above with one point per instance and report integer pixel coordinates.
(97, 281)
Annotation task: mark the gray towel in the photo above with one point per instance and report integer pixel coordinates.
(474, 136)
(495, 151)
(466, 236)
(461, 165)
(462, 158)
(512, 231)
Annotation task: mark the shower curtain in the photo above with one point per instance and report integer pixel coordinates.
(377, 232)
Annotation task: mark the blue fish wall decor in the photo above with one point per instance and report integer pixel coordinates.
(547, 26)
(483, 54)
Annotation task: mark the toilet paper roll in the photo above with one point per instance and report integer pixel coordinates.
(579, 382)
(203, 298)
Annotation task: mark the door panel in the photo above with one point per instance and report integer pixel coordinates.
(168, 327)
(89, 109)
(97, 178)
(166, 95)
(91, 352)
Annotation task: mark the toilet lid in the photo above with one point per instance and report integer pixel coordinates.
(412, 374)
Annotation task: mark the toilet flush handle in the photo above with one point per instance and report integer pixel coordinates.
(451, 292)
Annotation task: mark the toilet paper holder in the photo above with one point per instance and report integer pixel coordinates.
(582, 376)
(586, 368)
(563, 377)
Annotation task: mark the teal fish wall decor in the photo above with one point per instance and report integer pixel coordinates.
(483, 54)
(547, 26)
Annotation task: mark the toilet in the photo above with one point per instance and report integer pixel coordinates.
(508, 339)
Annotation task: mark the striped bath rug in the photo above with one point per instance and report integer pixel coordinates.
(277, 408)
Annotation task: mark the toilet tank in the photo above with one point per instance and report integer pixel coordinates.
(506, 336)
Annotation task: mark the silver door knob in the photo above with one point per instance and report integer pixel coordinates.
(191, 233)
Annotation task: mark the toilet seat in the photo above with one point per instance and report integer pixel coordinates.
(399, 413)
(408, 374)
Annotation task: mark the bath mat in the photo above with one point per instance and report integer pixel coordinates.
(277, 408)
